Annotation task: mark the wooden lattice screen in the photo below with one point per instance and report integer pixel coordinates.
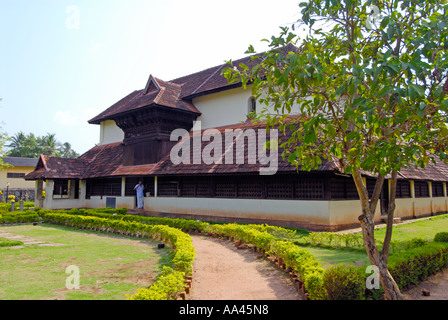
(437, 189)
(421, 189)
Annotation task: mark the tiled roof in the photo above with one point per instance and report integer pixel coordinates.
(167, 167)
(167, 95)
(57, 168)
(178, 93)
(434, 172)
(99, 162)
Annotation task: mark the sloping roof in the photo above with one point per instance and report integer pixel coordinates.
(178, 93)
(432, 172)
(106, 161)
(250, 150)
(99, 162)
(20, 162)
(48, 167)
(165, 94)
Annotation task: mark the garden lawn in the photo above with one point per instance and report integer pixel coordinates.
(110, 266)
(329, 257)
(425, 229)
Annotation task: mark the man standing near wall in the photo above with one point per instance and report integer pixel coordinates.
(139, 188)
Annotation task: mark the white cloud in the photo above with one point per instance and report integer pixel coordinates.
(65, 118)
(68, 118)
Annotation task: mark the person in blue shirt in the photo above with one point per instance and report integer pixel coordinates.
(139, 188)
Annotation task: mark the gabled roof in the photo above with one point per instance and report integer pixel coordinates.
(49, 167)
(178, 93)
(166, 96)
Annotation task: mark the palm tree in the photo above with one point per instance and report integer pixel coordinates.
(49, 144)
(66, 151)
(18, 140)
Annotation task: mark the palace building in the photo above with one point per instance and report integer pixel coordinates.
(221, 171)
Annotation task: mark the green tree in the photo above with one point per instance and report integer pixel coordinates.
(23, 146)
(30, 146)
(66, 151)
(370, 79)
(48, 144)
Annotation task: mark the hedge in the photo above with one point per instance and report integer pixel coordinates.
(18, 217)
(167, 286)
(416, 264)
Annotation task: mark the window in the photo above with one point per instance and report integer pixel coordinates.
(437, 189)
(252, 105)
(421, 189)
(60, 187)
(403, 189)
(103, 187)
(13, 175)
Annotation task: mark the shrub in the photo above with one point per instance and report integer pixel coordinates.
(416, 264)
(343, 282)
(18, 217)
(441, 237)
(167, 286)
(304, 263)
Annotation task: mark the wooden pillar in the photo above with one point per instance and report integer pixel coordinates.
(411, 182)
(155, 186)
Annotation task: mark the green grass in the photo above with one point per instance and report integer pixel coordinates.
(9, 243)
(425, 229)
(110, 266)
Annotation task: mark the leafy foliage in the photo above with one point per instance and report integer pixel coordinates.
(343, 282)
(167, 286)
(441, 237)
(30, 146)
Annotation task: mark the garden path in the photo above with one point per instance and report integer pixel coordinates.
(223, 272)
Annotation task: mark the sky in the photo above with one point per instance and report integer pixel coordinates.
(63, 62)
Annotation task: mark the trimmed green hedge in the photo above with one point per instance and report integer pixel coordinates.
(416, 264)
(18, 217)
(167, 286)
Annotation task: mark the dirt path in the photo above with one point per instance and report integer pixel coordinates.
(222, 272)
(436, 284)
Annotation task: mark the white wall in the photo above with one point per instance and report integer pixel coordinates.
(110, 132)
(227, 107)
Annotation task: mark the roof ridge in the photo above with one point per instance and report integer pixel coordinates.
(218, 68)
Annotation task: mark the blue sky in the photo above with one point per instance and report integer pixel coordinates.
(63, 62)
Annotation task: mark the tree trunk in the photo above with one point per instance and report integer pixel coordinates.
(390, 287)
